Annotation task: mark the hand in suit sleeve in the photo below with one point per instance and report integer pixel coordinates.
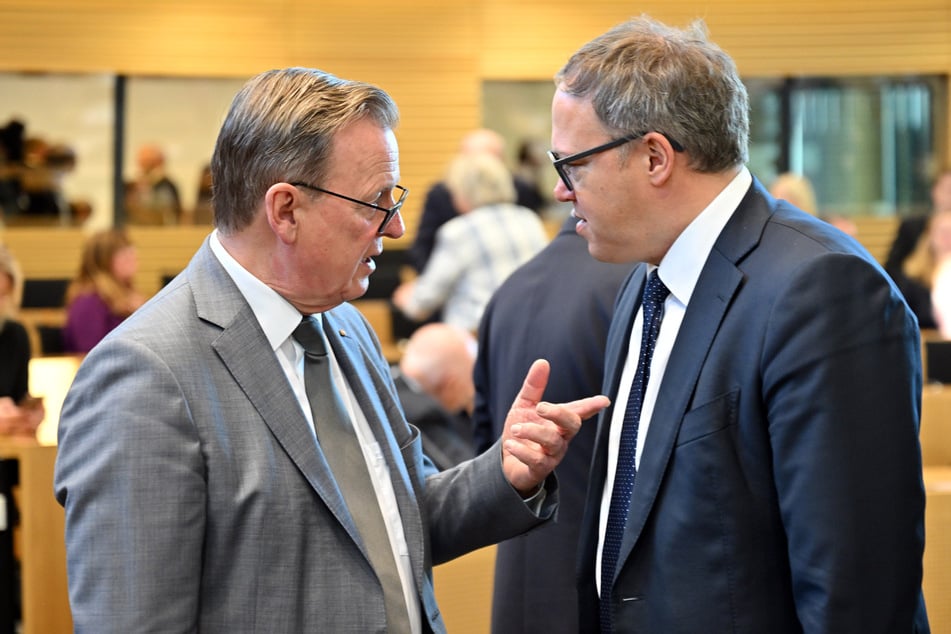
(842, 387)
(537, 433)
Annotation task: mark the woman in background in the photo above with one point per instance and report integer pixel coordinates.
(20, 415)
(102, 294)
(922, 278)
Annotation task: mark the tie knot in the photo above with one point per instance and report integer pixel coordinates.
(655, 291)
(310, 335)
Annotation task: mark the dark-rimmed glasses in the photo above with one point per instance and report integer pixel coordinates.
(562, 165)
(389, 212)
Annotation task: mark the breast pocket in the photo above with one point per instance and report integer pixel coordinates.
(709, 418)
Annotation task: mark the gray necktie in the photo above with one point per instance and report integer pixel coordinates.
(342, 449)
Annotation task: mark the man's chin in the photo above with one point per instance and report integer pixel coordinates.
(357, 290)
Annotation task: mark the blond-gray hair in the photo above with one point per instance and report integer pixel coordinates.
(480, 179)
(280, 127)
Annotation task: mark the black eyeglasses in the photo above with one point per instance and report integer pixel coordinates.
(563, 165)
(392, 211)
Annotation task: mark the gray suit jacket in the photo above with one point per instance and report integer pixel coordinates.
(780, 486)
(196, 499)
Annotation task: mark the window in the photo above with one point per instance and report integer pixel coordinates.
(868, 145)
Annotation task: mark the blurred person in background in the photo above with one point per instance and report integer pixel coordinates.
(910, 229)
(20, 415)
(918, 277)
(103, 292)
(203, 213)
(439, 207)
(152, 198)
(476, 250)
(434, 382)
(556, 306)
(798, 190)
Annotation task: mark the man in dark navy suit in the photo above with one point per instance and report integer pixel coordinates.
(767, 474)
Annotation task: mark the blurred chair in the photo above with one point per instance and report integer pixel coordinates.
(44, 293)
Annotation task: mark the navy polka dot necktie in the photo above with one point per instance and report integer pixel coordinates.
(653, 305)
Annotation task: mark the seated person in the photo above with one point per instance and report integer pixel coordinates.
(434, 384)
(911, 228)
(20, 415)
(916, 278)
(152, 198)
(102, 294)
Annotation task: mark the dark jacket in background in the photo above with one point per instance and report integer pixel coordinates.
(557, 306)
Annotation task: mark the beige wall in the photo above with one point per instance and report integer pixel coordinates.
(432, 55)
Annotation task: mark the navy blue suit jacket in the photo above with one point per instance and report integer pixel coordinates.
(780, 485)
(557, 306)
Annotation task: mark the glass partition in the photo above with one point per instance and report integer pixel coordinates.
(869, 145)
(170, 129)
(56, 155)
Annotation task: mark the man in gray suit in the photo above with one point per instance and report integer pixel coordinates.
(198, 494)
(759, 469)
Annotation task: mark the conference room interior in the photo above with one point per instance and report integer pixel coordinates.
(852, 96)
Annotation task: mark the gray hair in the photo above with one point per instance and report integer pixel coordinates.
(481, 179)
(281, 127)
(644, 76)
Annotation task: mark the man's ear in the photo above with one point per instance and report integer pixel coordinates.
(661, 157)
(282, 202)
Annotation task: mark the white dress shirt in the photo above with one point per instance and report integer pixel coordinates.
(679, 271)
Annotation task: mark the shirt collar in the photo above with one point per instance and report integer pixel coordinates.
(680, 269)
(278, 318)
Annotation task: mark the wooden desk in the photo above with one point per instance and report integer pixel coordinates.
(937, 559)
(42, 548)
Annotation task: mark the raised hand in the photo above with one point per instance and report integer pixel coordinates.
(537, 433)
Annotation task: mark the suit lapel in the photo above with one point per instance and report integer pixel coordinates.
(719, 281)
(701, 321)
(616, 350)
(246, 353)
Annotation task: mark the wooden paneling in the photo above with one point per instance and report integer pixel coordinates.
(531, 38)
(163, 251)
(55, 253)
(433, 55)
